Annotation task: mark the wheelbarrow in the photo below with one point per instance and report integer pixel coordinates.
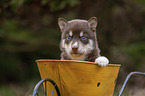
(78, 78)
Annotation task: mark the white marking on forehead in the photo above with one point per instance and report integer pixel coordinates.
(81, 33)
(70, 33)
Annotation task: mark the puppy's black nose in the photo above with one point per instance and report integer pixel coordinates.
(75, 49)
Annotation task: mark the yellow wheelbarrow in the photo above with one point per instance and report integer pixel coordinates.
(76, 78)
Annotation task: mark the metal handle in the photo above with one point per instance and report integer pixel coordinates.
(126, 80)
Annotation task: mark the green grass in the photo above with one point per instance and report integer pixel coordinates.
(21, 89)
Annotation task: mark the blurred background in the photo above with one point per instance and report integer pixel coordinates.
(29, 31)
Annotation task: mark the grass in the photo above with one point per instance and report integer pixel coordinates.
(15, 90)
(20, 89)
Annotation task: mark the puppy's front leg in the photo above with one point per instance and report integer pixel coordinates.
(102, 61)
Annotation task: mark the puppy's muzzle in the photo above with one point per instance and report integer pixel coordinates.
(75, 50)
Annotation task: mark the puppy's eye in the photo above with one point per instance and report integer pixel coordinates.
(83, 38)
(68, 38)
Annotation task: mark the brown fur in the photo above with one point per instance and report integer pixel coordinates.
(76, 26)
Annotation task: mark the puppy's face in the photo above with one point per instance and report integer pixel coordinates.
(78, 38)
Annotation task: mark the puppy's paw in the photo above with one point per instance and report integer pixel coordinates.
(102, 61)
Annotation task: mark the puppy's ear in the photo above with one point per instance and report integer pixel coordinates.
(92, 22)
(62, 23)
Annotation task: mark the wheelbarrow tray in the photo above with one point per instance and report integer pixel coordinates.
(79, 78)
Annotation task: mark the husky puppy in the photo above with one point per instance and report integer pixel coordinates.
(79, 42)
